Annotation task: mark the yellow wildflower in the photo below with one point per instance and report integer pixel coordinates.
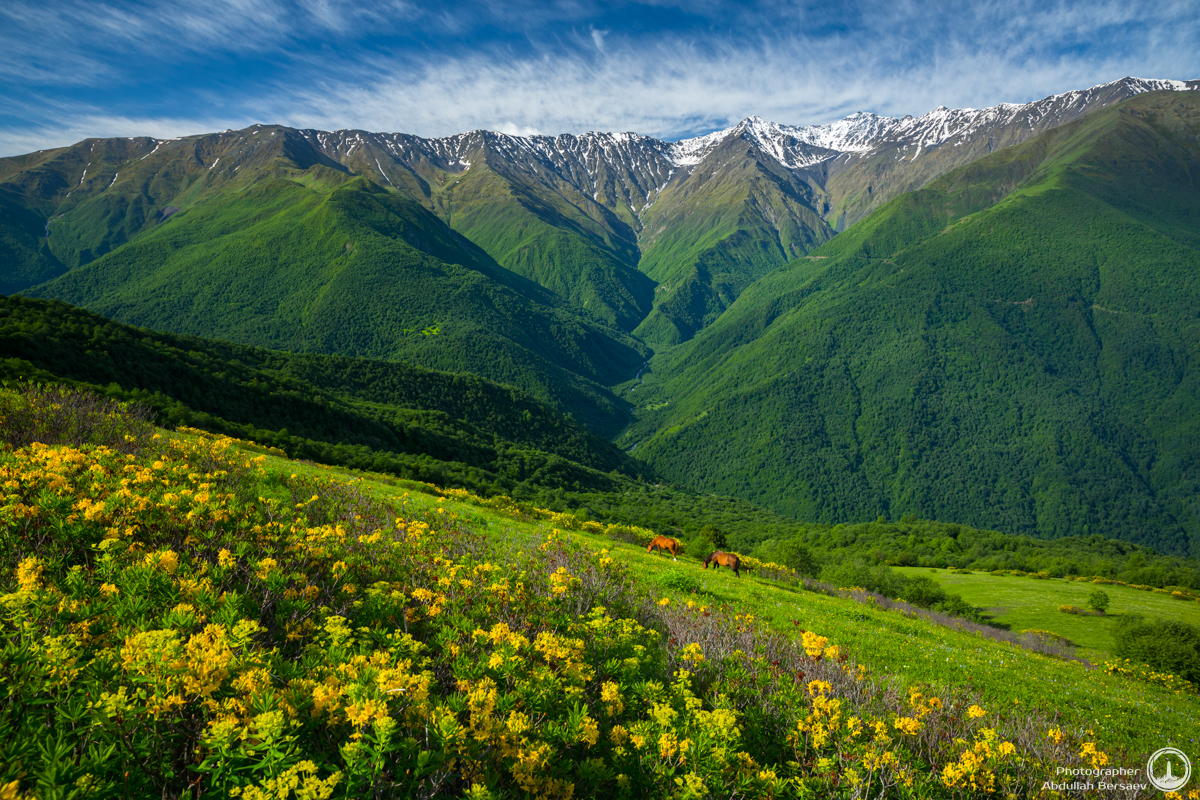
(29, 574)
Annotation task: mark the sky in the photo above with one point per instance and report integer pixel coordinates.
(73, 69)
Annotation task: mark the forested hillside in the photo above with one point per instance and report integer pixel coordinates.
(354, 270)
(433, 426)
(464, 431)
(1013, 347)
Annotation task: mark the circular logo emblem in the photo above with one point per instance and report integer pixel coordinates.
(1160, 769)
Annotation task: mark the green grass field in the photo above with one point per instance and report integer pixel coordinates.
(1023, 602)
(1127, 715)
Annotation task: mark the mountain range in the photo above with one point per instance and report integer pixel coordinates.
(826, 318)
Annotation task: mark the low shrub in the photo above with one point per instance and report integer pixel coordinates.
(54, 414)
(630, 534)
(701, 545)
(1098, 600)
(687, 584)
(1146, 674)
(1048, 643)
(791, 555)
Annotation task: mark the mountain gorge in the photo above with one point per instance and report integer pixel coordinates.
(972, 315)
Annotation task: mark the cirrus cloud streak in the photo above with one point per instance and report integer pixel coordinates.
(655, 68)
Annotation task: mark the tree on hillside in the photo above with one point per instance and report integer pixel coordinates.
(717, 537)
(1098, 600)
(799, 558)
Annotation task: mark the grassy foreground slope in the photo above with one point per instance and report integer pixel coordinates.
(1010, 348)
(180, 617)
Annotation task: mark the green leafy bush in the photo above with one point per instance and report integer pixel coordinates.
(1169, 646)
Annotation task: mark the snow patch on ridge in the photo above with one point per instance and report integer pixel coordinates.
(690, 152)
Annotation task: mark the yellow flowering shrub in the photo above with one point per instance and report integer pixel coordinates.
(1146, 674)
(195, 626)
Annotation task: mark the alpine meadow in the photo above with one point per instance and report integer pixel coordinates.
(334, 463)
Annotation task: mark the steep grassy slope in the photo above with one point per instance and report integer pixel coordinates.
(1010, 348)
(95, 195)
(539, 225)
(736, 216)
(356, 271)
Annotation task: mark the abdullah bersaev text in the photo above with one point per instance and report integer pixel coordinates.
(1104, 779)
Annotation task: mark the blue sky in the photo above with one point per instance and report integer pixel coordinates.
(70, 69)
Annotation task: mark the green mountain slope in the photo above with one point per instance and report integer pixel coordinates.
(353, 270)
(1010, 348)
(736, 217)
(94, 196)
(906, 162)
(413, 422)
(645, 235)
(539, 225)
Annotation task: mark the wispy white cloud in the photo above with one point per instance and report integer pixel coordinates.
(48, 41)
(677, 86)
(569, 66)
(598, 38)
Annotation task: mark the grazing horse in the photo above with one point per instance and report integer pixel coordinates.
(720, 559)
(665, 543)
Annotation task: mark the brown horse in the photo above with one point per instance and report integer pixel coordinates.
(665, 543)
(720, 559)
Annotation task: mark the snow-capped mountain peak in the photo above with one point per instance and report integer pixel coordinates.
(863, 131)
